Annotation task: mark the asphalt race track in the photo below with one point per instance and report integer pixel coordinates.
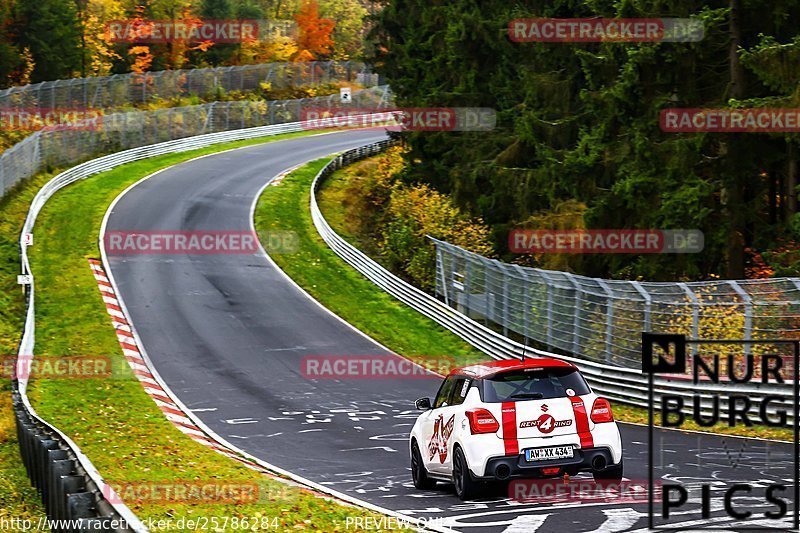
(228, 332)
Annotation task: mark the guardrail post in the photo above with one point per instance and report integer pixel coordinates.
(576, 317)
(526, 299)
(49, 496)
(467, 284)
(169, 122)
(647, 303)
(695, 314)
(80, 505)
(442, 277)
(609, 319)
(488, 296)
(748, 314)
(548, 287)
(59, 468)
(504, 318)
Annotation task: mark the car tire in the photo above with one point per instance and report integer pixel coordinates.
(418, 472)
(612, 473)
(466, 487)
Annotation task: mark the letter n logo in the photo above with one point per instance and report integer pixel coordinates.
(663, 353)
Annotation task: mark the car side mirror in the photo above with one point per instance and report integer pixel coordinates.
(423, 404)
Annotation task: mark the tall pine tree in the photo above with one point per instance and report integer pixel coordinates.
(579, 122)
(50, 30)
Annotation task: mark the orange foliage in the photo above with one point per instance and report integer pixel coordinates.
(756, 267)
(314, 32)
(143, 58)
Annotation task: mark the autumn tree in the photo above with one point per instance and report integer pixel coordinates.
(98, 51)
(314, 33)
(348, 35)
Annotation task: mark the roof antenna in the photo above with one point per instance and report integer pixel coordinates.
(524, 346)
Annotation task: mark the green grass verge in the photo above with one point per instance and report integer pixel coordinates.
(347, 293)
(113, 420)
(343, 290)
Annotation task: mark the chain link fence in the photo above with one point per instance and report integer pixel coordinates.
(121, 90)
(602, 320)
(120, 131)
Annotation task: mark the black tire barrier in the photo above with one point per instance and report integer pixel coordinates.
(72, 500)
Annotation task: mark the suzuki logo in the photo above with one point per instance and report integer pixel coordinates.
(545, 408)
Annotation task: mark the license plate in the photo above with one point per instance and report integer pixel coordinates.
(549, 454)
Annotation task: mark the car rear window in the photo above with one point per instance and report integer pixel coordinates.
(533, 384)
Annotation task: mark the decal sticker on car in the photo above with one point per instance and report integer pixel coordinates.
(441, 434)
(465, 388)
(545, 423)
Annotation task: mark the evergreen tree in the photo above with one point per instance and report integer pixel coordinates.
(9, 54)
(50, 30)
(579, 122)
(219, 53)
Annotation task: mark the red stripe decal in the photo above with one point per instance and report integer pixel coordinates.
(582, 422)
(510, 441)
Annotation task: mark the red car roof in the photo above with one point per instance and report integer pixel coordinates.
(490, 368)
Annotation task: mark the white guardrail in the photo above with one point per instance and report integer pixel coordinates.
(29, 420)
(624, 385)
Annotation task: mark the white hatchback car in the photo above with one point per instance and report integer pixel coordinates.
(534, 418)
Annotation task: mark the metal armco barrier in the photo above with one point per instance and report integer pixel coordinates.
(68, 491)
(119, 131)
(625, 385)
(70, 485)
(108, 92)
(601, 319)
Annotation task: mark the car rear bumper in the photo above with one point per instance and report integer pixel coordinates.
(589, 459)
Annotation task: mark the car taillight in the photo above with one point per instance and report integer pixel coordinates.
(601, 411)
(482, 421)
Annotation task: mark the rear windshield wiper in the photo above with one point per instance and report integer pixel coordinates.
(529, 395)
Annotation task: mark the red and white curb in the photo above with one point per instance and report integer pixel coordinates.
(133, 355)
